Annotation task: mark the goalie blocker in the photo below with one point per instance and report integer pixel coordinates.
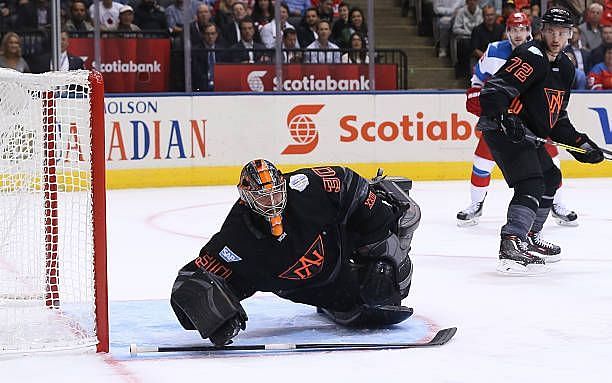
(325, 237)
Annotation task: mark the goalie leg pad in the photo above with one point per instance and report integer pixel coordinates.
(202, 301)
(389, 275)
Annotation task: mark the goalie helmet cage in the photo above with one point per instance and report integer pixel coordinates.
(53, 292)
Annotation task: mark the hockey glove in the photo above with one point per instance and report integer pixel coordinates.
(513, 127)
(593, 154)
(224, 334)
(472, 102)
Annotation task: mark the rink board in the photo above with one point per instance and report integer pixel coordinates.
(177, 140)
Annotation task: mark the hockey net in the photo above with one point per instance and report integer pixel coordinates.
(53, 293)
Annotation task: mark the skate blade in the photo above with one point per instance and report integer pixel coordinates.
(562, 222)
(509, 267)
(468, 222)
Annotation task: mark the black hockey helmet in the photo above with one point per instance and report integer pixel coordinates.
(558, 16)
(263, 187)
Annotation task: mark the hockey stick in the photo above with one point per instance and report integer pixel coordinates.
(442, 337)
(567, 147)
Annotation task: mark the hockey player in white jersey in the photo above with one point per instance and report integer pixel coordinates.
(518, 30)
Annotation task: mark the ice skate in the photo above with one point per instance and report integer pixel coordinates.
(564, 216)
(539, 247)
(470, 215)
(515, 260)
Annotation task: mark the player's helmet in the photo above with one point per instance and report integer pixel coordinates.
(518, 19)
(558, 16)
(263, 188)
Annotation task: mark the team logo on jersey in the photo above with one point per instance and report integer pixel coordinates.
(555, 102)
(298, 182)
(309, 264)
(228, 255)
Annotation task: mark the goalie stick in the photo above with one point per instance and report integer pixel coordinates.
(441, 338)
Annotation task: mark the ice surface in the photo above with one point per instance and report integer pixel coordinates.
(555, 327)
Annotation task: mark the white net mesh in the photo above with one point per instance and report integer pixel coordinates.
(46, 230)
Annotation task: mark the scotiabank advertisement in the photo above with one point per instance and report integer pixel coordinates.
(303, 78)
(227, 131)
(128, 65)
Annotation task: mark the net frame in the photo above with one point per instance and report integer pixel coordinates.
(51, 99)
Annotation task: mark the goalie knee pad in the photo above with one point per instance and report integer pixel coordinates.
(202, 301)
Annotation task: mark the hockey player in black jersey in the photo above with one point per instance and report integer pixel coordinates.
(526, 98)
(320, 236)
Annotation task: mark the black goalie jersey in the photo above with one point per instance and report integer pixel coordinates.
(330, 212)
(538, 90)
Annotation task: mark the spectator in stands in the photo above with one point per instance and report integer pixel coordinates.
(291, 47)
(589, 30)
(223, 14)
(487, 32)
(597, 54)
(356, 24)
(600, 77)
(263, 13)
(581, 55)
(246, 50)
(7, 14)
(606, 18)
(326, 51)
(42, 63)
(508, 8)
(307, 31)
(149, 16)
(468, 17)
(268, 32)
(444, 11)
(32, 14)
(203, 18)
(175, 13)
(340, 23)
(108, 14)
(579, 76)
(10, 56)
(298, 7)
(78, 18)
(535, 16)
(126, 20)
(205, 57)
(326, 10)
(357, 53)
(231, 31)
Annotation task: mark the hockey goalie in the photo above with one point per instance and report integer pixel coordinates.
(322, 236)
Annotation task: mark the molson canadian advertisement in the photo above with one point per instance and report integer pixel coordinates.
(157, 141)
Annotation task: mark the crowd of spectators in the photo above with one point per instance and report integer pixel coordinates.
(237, 31)
(462, 29)
(311, 31)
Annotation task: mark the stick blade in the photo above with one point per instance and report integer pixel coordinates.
(443, 336)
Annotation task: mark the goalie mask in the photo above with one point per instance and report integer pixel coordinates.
(264, 189)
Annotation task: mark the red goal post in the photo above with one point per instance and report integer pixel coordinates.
(53, 283)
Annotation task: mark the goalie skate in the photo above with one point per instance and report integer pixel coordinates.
(470, 215)
(515, 260)
(564, 216)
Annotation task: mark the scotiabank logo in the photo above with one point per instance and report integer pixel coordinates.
(302, 128)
